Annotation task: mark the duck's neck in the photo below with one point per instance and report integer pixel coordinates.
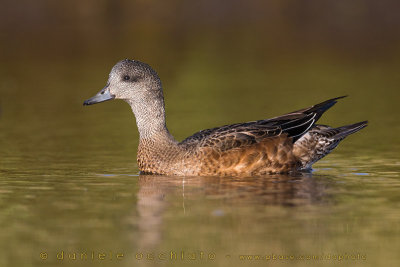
(150, 120)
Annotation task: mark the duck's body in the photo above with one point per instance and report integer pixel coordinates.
(284, 144)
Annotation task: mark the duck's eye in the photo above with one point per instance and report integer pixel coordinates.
(126, 77)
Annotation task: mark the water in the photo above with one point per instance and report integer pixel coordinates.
(69, 183)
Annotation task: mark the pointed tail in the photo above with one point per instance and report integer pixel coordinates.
(321, 140)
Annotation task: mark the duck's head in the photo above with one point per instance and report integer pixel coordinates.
(132, 81)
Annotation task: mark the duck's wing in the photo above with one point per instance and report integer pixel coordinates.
(294, 125)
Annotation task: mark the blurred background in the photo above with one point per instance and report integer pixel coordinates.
(66, 170)
(235, 60)
(231, 60)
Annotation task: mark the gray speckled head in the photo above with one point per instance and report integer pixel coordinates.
(139, 85)
(130, 78)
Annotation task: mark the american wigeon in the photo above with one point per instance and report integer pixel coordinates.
(284, 144)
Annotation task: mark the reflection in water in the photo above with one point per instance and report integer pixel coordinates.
(150, 207)
(283, 190)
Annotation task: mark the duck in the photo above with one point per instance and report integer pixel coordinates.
(286, 144)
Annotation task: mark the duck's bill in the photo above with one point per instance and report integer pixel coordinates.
(102, 96)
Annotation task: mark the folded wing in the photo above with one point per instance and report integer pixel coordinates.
(294, 125)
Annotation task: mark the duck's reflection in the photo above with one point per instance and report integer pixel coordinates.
(157, 193)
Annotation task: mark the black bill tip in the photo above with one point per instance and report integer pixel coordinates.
(87, 102)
